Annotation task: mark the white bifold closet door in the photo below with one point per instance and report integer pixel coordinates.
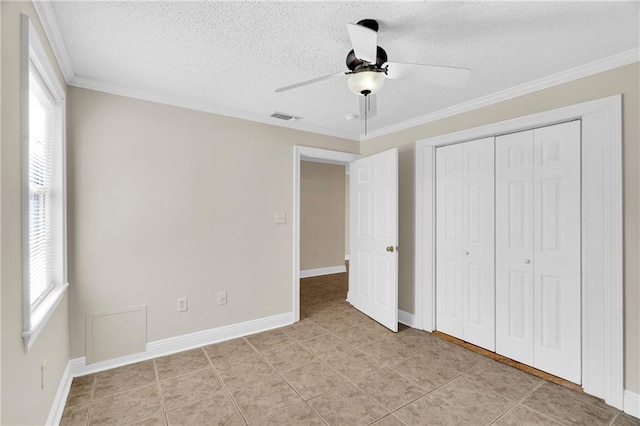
(538, 287)
(465, 241)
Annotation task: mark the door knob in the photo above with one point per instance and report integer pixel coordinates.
(466, 252)
(390, 249)
(527, 261)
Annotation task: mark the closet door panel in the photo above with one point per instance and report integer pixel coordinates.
(557, 287)
(449, 240)
(478, 274)
(514, 246)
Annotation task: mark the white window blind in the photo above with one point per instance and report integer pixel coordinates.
(44, 230)
(42, 139)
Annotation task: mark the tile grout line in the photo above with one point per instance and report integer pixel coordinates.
(414, 381)
(434, 389)
(304, 401)
(515, 402)
(351, 381)
(226, 388)
(177, 376)
(519, 402)
(159, 387)
(613, 419)
(388, 415)
(460, 409)
(318, 358)
(93, 387)
(316, 413)
(381, 364)
(573, 398)
(291, 386)
(120, 392)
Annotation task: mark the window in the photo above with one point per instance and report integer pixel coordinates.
(43, 171)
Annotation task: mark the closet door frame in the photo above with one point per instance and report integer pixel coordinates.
(602, 236)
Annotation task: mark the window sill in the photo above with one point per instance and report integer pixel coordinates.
(41, 315)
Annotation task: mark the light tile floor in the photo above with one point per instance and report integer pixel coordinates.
(336, 366)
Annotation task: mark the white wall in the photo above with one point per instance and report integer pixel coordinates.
(166, 202)
(322, 207)
(23, 401)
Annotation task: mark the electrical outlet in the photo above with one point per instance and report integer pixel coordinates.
(42, 368)
(183, 304)
(222, 298)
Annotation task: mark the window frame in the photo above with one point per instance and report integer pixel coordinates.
(34, 55)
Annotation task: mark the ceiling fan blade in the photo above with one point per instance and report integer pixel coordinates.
(433, 74)
(368, 104)
(304, 83)
(364, 41)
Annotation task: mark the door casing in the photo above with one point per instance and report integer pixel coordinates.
(602, 233)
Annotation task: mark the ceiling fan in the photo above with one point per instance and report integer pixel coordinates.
(369, 68)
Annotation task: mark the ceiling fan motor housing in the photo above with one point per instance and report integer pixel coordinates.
(372, 24)
(354, 64)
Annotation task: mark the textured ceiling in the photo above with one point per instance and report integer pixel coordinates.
(233, 55)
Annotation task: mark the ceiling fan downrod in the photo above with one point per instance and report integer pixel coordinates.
(367, 105)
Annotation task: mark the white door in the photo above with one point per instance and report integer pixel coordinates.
(449, 241)
(465, 241)
(479, 267)
(538, 288)
(373, 219)
(514, 246)
(556, 250)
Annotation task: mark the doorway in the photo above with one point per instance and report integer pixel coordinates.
(323, 212)
(322, 219)
(317, 155)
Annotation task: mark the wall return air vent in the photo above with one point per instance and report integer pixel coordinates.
(284, 116)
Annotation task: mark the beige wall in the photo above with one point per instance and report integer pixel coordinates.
(624, 80)
(23, 401)
(166, 202)
(322, 207)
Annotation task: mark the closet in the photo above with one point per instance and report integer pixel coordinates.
(508, 246)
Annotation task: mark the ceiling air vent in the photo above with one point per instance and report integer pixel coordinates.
(284, 116)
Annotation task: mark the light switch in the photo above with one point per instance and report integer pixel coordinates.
(281, 218)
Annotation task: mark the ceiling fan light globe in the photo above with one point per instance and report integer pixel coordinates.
(365, 82)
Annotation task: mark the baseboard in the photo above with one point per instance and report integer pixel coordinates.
(406, 318)
(184, 342)
(57, 408)
(323, 271)
(632, 403)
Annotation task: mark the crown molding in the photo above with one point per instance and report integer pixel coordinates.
(49, 22)
(88, 83)
(601, 65)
